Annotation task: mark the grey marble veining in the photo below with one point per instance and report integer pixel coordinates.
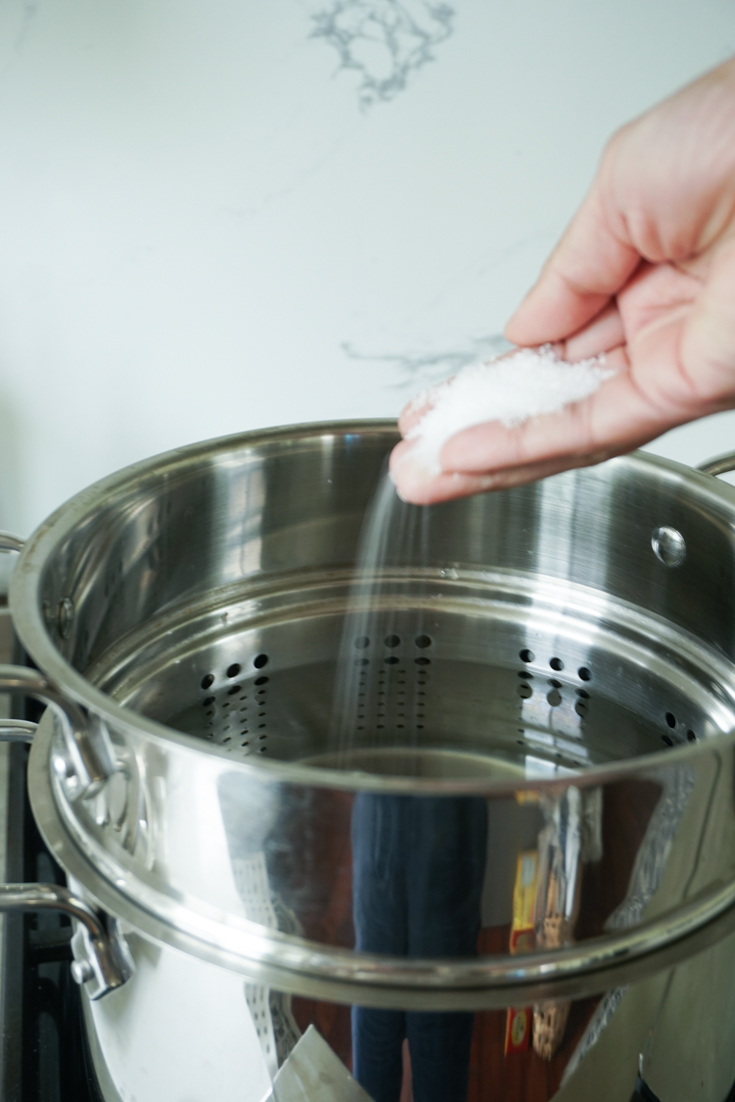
(383, 41)
(232, 214)
(427, 368)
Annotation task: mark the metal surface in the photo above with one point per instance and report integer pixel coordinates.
(43, 1052)
(679, 1017)
(85, 760)
(98, 963)
(669, 546)
(13, 1006)
(17, 730)
(101, 962)
(13, 800)
(721, 464)
(592, 1050)
(537, 680)
(11, 543)
(291, 964)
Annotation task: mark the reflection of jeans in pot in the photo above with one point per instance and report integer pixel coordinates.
(418, 866)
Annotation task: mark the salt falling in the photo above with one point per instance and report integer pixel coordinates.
(392, 555)
(395, 556)
(511, 390)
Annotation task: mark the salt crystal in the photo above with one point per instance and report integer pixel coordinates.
(511, 389)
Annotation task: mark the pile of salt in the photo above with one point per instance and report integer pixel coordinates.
(511, 390)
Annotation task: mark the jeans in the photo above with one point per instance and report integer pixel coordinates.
(418, 867)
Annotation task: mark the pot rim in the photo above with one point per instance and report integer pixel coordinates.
(29, 622)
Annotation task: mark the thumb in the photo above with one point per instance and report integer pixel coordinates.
(588, 267)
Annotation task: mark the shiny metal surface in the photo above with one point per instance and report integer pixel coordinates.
(721, 464)
(574, 701)
(669, 546)
(9, 542)
(16, 730)
(101, 962)
(85, 761)
(680, 1020)
(674, 1029)
(673, 1025)
(38, 897)
(295, 964)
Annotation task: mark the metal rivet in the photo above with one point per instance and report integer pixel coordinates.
(65, 616)
(669, 546)
(81, 971)
(61, 767)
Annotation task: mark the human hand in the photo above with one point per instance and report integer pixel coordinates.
(646, 274)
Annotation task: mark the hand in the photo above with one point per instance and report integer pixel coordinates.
(646, 274)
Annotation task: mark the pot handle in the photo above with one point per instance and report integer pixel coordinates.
(16, 730)
(11, 543)
(89, 760)
(102, 960)
(720, 464)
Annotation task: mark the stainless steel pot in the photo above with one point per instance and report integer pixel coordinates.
(185, 1031)
(548, 676)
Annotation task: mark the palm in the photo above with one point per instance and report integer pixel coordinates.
(654, 310)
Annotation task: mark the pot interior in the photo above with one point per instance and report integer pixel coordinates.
(535, 631)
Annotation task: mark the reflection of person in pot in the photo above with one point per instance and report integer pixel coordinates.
(646, 274)
(418, 866)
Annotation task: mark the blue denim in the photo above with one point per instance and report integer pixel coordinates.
(418, 867)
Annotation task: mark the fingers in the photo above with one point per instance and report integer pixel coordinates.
(588, 267)
(423, 402)
(645, 273)
(413, 484)
(618, 417)
(447, 487)
(415, 410)
(603, 334)
(708, 341)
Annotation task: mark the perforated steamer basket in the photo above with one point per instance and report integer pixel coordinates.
(560, 654)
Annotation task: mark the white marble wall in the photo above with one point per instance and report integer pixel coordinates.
(219, 215)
